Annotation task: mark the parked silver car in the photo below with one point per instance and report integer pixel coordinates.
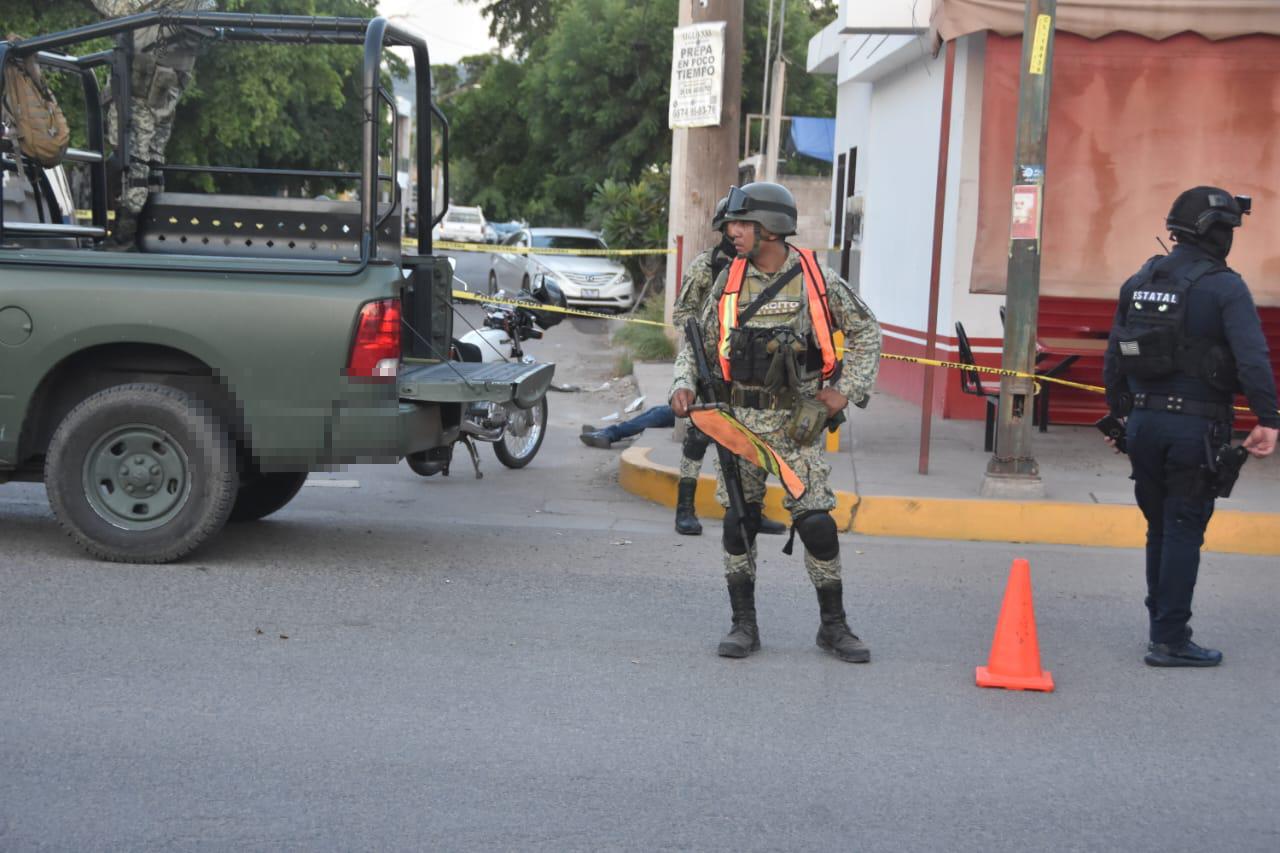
(589, 281)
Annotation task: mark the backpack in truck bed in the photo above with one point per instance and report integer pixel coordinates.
(32, 113)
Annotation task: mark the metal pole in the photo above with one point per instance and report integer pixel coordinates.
(1013, 471)
(764, 84)
(935, 270)
(775, 119)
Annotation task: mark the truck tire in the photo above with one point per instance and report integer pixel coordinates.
(262, 494)
(141, 473)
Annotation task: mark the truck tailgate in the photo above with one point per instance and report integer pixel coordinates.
(465, 382)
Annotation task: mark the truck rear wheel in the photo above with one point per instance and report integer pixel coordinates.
(262, 494)
(141, 473)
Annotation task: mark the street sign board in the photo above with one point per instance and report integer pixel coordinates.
(697, 75)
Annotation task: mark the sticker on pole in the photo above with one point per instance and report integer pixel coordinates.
(1025, 223)
(697, 75)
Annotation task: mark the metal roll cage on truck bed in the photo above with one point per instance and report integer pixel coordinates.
(244, 340)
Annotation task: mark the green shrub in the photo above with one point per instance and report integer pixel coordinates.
(645, 342)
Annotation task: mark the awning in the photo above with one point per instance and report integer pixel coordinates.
(814, 137)
(1155, 19)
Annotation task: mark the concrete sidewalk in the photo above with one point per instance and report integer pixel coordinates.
(1088, 495)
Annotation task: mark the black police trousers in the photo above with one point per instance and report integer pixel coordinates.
(1166, 451)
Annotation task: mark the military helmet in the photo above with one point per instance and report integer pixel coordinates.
(771, 205)
(1200, 208)
(717, 221)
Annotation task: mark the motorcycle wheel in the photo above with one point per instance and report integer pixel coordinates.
(523, 436)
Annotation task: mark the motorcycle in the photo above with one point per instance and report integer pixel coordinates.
(515, 432)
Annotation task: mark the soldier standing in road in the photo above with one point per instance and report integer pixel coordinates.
(162, 64)
(768, 324)
(1186, 336)
(703, 272)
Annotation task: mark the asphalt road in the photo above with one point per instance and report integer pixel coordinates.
(527, 662)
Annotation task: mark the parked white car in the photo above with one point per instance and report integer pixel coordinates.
(462, 225)
(588, 281)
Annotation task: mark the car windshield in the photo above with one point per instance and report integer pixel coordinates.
(561, 241)
(464, 216)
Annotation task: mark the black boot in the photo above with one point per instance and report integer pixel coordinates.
(834, 634)
(744, 637)
(771, 527)
(687, 522)
(1185, 653)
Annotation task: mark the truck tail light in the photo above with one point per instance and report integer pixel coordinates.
(375, 352)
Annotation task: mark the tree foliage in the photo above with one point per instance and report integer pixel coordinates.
(584, 101)
(633, 215)
(518, 24)
(268, 106)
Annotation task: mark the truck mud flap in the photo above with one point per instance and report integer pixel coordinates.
(466, 382)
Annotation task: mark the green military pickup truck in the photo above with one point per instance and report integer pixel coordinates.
(244, 340)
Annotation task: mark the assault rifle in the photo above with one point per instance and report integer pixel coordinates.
(708, 389)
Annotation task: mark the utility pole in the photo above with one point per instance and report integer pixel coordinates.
(776, 99)
(1013, 472)
(704, 160)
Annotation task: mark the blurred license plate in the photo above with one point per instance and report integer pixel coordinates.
(590, 293)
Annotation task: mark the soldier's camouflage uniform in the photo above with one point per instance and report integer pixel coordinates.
(162, 65)
(693, 294)
(861, 363)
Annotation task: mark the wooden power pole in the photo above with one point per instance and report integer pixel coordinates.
(1013, 471)
(704, 160)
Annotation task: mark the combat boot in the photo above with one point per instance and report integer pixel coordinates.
(744, 637)
(687, 523)
(834, 634)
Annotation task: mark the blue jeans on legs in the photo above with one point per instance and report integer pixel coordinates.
(658, 416)
(1166, 451)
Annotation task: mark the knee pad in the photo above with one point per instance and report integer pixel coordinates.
(695, 444)
(732, 538)
(818, 533)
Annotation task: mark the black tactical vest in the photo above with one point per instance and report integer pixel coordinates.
(1153, 341)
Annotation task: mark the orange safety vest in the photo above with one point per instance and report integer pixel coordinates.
(819, 311)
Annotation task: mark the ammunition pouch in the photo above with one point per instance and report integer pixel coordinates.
(749, 356)
(774, 358)
(807, 422)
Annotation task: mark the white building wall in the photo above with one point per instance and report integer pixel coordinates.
(979, 312)
(899, 166)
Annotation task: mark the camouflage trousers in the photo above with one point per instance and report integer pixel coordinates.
(809, 463)
(692, 452)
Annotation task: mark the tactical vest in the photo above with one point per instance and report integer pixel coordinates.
(749, 355)
(1153, 341)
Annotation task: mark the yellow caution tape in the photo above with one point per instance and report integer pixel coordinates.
(88, 214)
(525, 250)
(572, 312)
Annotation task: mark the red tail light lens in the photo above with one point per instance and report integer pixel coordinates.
(375, 352)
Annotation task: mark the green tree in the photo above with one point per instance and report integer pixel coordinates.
(518, 24)
(274, 106)
(587, 102)
(634, 215)
(268, 106)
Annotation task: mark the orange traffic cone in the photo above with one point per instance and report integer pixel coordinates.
(1015, 652)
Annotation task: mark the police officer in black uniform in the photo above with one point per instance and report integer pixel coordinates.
(1186, 336)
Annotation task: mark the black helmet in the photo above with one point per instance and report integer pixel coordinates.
(1198, 209)
(548, 292)
(768, 204)
(717, 221)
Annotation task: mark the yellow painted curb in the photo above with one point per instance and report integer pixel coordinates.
(641, 476)
(981, 520)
